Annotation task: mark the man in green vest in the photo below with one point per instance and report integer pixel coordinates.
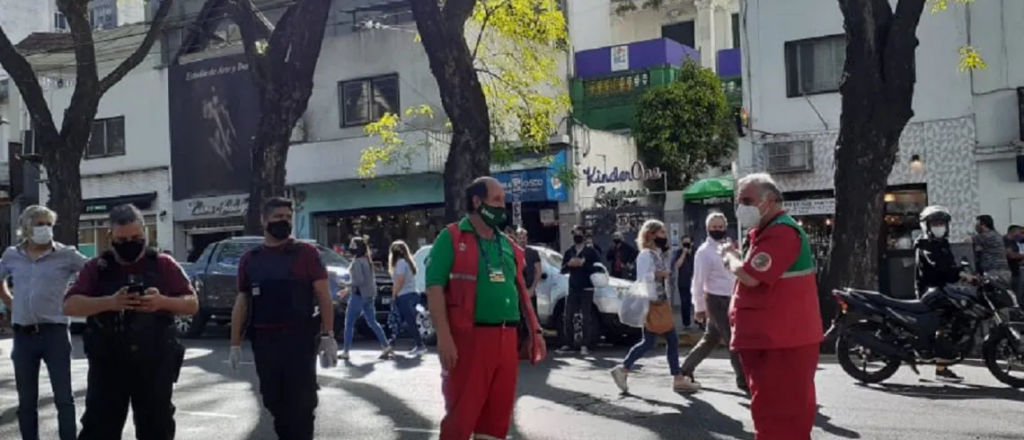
(776, 326)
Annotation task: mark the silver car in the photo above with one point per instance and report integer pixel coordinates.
(551, 293)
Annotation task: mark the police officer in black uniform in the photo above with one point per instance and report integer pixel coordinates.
(130, 295)
(281, 284)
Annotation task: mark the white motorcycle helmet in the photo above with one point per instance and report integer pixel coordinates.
(935, 213)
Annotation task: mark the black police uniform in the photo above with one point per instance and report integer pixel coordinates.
(285, 339)
(134, 358)
(936, 265)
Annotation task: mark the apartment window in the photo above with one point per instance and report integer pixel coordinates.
(736, 31)
(814, 65)
(29, 146)
(60, 22)
(103, 17)
(365, 100)
(107, 138)
(683, 33)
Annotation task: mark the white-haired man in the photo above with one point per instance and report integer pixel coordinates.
(776, 325)
(711, 290)
(40, 269)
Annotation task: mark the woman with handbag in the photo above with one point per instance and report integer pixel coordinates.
(652, 270)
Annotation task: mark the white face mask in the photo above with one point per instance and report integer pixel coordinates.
(939, 231)
(748, 216)
(42, 234)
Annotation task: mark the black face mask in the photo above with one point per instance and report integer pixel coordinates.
(661, 242)
(686, 245)
(578, 239)
(280, 229)
(717, 235)
(129, 251)
(616, 241)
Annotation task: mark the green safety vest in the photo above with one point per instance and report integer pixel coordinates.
(804, 264)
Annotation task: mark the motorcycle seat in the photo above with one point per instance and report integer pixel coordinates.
(909, 305)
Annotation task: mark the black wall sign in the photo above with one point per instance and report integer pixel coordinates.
(102, 206)
(214, 113)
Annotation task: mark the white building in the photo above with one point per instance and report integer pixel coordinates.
(958, 149)
(128, 159)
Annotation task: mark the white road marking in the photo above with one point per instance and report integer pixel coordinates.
(208, 414)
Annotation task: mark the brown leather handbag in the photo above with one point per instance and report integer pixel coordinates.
(659, 318)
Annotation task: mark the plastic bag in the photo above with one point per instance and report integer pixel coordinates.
(634, 306)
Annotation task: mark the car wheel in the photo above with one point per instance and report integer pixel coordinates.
(190, 326)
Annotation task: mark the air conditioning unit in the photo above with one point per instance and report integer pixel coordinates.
(789, 156)
(298, 132)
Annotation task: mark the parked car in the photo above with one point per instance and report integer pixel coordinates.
(551, 293)
(214, 277)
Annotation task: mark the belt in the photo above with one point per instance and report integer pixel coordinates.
(502, 324)
(32, 329)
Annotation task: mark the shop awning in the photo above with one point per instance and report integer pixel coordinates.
(709, 189)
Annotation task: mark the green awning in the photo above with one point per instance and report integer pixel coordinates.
(709, 188)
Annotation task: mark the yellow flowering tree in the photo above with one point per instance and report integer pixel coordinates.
(496, 63)
(877, 95)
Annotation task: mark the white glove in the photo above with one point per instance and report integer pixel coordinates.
(329, 350)
(235, 357)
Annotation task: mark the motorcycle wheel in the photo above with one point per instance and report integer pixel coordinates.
(991, 353)
(843, 353)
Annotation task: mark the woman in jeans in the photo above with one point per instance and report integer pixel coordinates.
(651, 269)
(403, 274)
(361, 295)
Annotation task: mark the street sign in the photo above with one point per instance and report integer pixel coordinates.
(517, 213)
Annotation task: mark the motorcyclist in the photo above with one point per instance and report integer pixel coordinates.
(936, 265)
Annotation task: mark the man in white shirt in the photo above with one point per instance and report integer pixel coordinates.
(711, 290)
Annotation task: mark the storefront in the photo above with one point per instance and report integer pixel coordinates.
(532, 196)
(93, 225)
(203, 221)
(815, 211)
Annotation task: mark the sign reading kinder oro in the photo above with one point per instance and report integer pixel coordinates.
(214, 114)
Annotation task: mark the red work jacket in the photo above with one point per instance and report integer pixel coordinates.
(460, 295)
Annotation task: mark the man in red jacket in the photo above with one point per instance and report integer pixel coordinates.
(776, 326)
(478, 301)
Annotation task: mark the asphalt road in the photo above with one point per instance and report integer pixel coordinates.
(568, 398)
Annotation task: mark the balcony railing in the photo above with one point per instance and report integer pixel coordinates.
(616, 90)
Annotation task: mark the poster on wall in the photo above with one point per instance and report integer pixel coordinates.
(214, 114)
(620, 58)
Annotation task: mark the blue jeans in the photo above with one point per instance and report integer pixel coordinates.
(406, 305)
(648, 342)
(52, 345)
(359, 306)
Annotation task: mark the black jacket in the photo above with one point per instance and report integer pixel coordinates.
(628, 254)
(936, 265)
(579, 277)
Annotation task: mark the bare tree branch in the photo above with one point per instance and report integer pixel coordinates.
(86, 73)
(254, 27)
(456, 12)
(140, 53)
(24, 77)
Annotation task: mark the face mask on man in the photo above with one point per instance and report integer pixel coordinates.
(280, 229)
(938, 231)
(717, 235)
(749, 216)
(129, 250)
(42, 234)
(578, 239)
(493, 216)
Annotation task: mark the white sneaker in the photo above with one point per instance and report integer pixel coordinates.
(685, 384)
(564, 349)
(343, 355)
(386, 352)
(584, 351)
(620, 376)
(417, 351)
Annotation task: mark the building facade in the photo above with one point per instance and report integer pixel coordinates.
(952, 153)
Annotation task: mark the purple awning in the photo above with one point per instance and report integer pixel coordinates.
(730, 62)
(595, 63)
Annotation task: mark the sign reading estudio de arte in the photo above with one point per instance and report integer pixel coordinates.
(211, 208)
(612, 197)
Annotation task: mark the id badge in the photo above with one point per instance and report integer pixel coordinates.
(255, 290)
(497, 275)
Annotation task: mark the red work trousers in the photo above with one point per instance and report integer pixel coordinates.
(480, 392)
(783, 403)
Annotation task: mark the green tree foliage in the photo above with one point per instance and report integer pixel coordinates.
(516, 47)
(686, 126)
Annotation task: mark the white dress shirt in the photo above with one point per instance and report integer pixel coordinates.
(709, 275)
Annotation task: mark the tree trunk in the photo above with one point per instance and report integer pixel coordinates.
(283, 74)
(462, 96)
(64, 182)
(877, 95)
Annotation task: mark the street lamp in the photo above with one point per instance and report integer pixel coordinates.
(916, 164)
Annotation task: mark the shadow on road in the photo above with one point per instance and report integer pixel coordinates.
(822, 421)
(387, 405)
(950, 392)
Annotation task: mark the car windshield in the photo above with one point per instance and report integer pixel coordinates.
(231, 252)
(549, 256)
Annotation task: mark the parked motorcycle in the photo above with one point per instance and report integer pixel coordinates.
(940, 327)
